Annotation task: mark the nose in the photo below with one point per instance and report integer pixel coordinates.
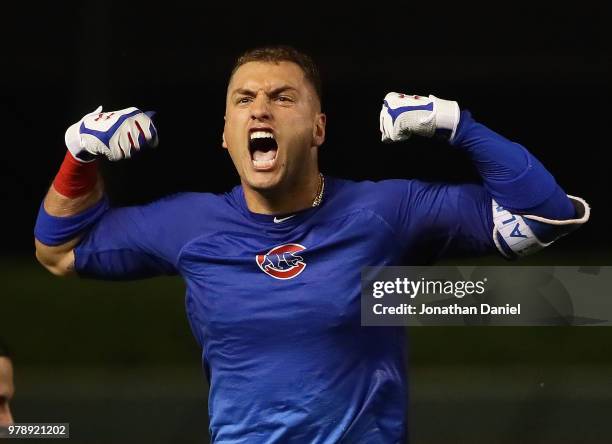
(260, 108)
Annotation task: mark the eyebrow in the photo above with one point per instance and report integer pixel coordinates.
(275, 91)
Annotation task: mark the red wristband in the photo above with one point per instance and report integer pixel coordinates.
(75, 178)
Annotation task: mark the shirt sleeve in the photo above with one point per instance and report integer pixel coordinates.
(433, 220)
(134, 242)
(515, 178)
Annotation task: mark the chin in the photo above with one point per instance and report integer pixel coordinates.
(263, 180)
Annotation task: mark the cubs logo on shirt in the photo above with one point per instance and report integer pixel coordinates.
(282, 262)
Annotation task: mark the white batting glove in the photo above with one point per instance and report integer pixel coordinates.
(403, 115)
(115, 135)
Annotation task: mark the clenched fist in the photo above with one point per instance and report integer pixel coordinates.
(403, 115)
(115, 135)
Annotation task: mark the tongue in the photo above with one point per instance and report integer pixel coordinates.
(264, 155)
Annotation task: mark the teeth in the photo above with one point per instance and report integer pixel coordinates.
(263, 163)
(262, 135)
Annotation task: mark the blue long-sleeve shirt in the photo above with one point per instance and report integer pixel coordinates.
(275, 305)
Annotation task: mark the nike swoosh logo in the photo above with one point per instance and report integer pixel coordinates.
(282, 219)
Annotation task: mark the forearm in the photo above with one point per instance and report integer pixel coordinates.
(511, 174)
(59, 259)
(59, 205)
(76, 193)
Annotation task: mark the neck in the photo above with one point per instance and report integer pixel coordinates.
(291, 198)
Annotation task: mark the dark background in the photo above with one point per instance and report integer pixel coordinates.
(118, 361)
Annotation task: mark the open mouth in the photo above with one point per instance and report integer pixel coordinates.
(263, 149)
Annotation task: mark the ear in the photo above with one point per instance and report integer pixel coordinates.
(223, 142)
(318, 135)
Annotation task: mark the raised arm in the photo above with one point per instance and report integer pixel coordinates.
(526, 209)
(75, 201)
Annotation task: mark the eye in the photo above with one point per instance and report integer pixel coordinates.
(243, 100)
(284, 99)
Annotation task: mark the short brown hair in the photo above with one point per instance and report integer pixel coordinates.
(283, 53)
